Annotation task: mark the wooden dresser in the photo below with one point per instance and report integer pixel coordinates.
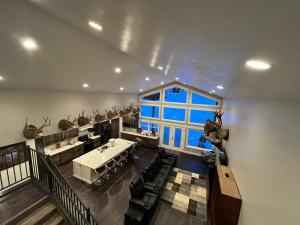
(225, 202)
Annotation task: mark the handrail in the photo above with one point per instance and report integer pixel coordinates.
(63, 188)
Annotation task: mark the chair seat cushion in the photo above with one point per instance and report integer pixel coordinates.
(134, 216)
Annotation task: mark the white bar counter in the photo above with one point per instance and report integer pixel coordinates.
(85, 165)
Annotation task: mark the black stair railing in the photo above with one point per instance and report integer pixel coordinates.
(27, 164)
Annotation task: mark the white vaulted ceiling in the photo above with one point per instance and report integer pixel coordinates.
(205, 43)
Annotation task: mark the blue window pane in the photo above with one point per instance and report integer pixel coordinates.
(154, 126)
(150, 111)
(194, 139)
(144, 126)
(166, 135)
(176, 94)
(152, 97)
(177, 139)
(199, 99)
(176, 114)
(200, 116)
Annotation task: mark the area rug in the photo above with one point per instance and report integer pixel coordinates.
(186, 191)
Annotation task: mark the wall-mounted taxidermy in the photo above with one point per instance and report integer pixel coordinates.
(109, 114)
(66, 124)
(82, 120)
(98, 116)
(123, 111)
(31, 131)
(214, 132)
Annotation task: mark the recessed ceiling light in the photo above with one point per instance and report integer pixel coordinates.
(210, 92)
(1, 78)
(118, 70)
(220, 87)
(85, 85)
(258, 64)
(147, 79)
(162, 83)
(176, 78)
(29, 44)
(95, 25)
(121, 88)
(141, 90)
(160, 68)
(184, 83)
(213, 91)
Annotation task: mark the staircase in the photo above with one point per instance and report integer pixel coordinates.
(42, 212)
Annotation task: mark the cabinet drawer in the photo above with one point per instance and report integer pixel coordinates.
(79, 150)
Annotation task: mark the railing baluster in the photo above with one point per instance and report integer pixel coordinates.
(13, 166)
(21, 174)
(6, 171)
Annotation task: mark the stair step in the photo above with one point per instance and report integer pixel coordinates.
(55, 219)
(25, 212)
(40, 215)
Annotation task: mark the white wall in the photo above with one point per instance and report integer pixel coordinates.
(16, 105)
(264, 155)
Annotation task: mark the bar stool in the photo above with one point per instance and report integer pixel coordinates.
(109, 167)
(100, 172)
(116, 161)
(136, 145)
(124, 159)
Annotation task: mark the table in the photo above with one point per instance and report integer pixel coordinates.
(85, 165)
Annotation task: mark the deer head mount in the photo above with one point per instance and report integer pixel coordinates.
(110, 114)
(123, 111)
(31, 131)
(82, 120)
(98, 116)
(218, 113)
(66, 124)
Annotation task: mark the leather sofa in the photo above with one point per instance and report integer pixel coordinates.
(142, 203)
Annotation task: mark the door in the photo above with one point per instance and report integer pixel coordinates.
(172, 137)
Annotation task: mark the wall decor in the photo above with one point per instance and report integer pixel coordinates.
(82, 120)
(31, 131)
(98, 117)
(66, 124)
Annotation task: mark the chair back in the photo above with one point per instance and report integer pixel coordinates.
(101, 169)
(137, 189)
(110, 164)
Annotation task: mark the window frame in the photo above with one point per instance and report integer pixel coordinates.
(175, 107)
(150, 93)
(155, 118)
(193, 147)
(200, 109)
(148, 126)
(179, 103)
(206, 96)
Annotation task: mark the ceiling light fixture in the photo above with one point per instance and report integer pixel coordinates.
(220, 87)
(95, 25)
(141, 90)
(210, 92)
(85, 85)
(147, 79)
(121, 88)
(176, 78)
(162, 83)
(258, 64)
(213, 91)
(118, 70)
(160, 68)
(29, 44)
(1, 78)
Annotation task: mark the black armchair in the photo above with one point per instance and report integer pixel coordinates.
(141, 199)
(167, 158)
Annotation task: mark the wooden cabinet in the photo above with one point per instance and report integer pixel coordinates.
(68, 155)
(151, 142)
(225, 202)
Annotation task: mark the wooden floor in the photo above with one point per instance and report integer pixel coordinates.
(109, 203)
(18, 200)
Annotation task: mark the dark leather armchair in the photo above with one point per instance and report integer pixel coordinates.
(141, 199)
(167, 158)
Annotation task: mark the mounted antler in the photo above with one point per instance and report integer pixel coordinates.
(218, 113)
(31, 131)
(66, 124)
(83, 120)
